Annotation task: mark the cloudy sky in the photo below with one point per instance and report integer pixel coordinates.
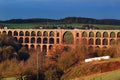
(57, 9)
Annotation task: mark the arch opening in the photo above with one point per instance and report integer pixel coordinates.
(91, 41)
(68, 38)
(45, 40)
(27, 33)
(105, 42)
(51, 41)
(27, 40)
(15, 33)
(105, 34)
(91, 34)
(98, 34)
(98, 42)
(84, 34)
(112, 34)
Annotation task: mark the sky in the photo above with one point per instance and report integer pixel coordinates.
(58, 9)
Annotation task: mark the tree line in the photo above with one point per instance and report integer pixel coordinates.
(66, 20)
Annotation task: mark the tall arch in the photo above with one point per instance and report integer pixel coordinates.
(84, 34)
(112, 34)
(84, 41)
(98, 34)
(33, 33)
(32, 40)
(45, 40)
(51, 41)
(77, 34)
(57, 41)
(68, 38)
(105, 34)
(21, 33)
(4, 32)
(105, 42)
(15, 33)
(112, 42)
(39, 33)
(44, 49)
(27, 33)
(50, 47)
(91, 41)
(45, 33)
(91, 34)
(20, 40)
(57, 34)
(9, 33)
(38, 40)
(26, 46)
(118, 34)
(98, 42)
(26, 40)
(51, 34)
(38, 47)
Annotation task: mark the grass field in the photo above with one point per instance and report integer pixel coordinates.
(32, 25)
(112, 75)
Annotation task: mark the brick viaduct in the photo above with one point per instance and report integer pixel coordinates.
(44, 39)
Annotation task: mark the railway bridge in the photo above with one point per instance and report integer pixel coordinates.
(44, 39)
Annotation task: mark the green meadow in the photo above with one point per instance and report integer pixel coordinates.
(33, 25)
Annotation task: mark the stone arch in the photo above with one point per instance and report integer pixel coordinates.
(45, 33)
(98, 34)
(51, 34)
(32, 40)
(26, 46)
(39, 33)
(26, 40)
(9, 33)
(105, 34)
(45, 40)
(105, 42)
(15, 38)
(27, 33)
(68, 38)
(97, 47)
(57, 41)
(32, 46)
(57, 34)
(20, 40)
(98, 42)
(112, 34)
(33, 33)
(112, 42)
(44, 49)
(91, 41)
(4, 32)
(84, 34)
(38, 47)
(118, 34)
(38, 40)
(91, 34)
(84, 41)
(51, 41)
(15, 33)
(50, 47)
(21, 33)
(77, 34)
